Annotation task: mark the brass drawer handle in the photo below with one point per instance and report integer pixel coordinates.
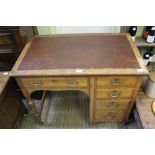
(116, 82)
(114, 94)
(37, 83)
(72, 83)
(110, 116)
(112, 105)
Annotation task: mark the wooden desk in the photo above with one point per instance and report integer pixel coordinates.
(106, 67)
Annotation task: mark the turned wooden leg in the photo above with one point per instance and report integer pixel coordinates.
(34, 110)
(32, 107)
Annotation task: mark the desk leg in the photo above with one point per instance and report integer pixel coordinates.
(31, 104)
(34, 110)
(91, 101)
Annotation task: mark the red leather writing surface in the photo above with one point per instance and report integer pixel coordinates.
(85, 51)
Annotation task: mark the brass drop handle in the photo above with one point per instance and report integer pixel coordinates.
(110, 116)
(116, 82)
(114, 94)
(112, 105)
(72, 83)
(37, 83)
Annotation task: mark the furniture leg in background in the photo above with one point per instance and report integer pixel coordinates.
(11, 107)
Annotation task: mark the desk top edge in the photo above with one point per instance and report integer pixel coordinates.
(84, 72)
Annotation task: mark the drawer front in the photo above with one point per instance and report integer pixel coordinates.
(112, 105)
(55, 82)
(116, 81)
(101, 115)
(114, 93)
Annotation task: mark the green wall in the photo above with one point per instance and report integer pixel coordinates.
(45, 30)
(140, 30)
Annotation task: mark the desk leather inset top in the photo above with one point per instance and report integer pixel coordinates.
(74, 51)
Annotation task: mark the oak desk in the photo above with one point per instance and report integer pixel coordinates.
(106, 67)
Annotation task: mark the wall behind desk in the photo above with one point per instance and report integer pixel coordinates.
(45, 30)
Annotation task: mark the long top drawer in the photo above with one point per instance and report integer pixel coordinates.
(76, 82)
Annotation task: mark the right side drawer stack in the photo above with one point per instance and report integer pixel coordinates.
(113, 95)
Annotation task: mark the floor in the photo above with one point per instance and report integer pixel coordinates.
(68, 110)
